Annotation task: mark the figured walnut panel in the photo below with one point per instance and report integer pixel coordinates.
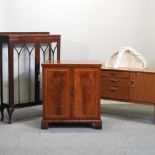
(85, 104)
(56, 86)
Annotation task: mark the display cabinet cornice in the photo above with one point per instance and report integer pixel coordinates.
(32, 48)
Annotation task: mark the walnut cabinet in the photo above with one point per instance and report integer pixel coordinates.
(71, 92)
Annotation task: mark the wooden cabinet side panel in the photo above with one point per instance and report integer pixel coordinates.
(56, 97)
(86, 99)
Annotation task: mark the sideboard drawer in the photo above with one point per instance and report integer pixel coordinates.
(114, 81)
(113, 92)
(112, 73)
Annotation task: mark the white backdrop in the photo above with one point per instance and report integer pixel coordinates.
(90, 29)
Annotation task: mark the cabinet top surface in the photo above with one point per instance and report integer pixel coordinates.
(72, 62)
(147, 70)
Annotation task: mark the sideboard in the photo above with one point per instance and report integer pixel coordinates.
(24, 51)
(129, 85)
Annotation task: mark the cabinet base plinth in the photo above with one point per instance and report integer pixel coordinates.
(97, 123)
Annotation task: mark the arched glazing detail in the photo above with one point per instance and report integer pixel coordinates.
(23, 69)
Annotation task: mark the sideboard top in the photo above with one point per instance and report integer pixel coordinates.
(147, 70)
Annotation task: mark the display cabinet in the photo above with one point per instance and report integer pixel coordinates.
(21, 54)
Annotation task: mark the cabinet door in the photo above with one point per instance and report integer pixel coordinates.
(143, 87)
(149, 91)
(86, 96)
(56, 94)
(137, 87)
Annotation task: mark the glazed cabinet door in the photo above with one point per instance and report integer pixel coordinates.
(56, 93)
(142, 88)
(85, 93)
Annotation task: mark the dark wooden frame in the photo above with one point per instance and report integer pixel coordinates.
(13, 38)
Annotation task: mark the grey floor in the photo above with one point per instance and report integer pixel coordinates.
(128, 129)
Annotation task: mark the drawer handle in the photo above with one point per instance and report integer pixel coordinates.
(113, 80)
(114, 74)
(113, 89)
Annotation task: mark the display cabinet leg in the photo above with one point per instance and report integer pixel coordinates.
(44, 124)
(2, 113)
(10, 112)
(98, 125)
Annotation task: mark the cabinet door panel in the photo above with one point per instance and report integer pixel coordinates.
(86, 98)
(56, 93)
(137, 87)
(143, 88)
(149, 94)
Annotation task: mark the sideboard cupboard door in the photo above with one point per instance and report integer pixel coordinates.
(137, 87)
(85, 100)
(149, 96)
(56, 94)
(142, 87)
